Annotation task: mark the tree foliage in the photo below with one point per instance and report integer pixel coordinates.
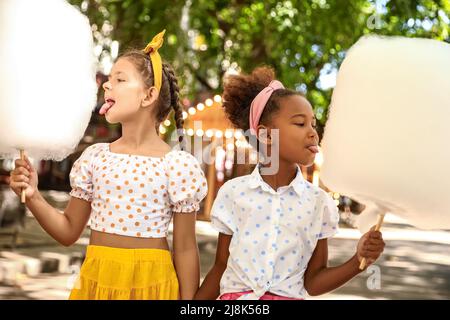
(302, 40)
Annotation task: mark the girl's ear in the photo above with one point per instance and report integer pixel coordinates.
(264, 134)
(151, 95)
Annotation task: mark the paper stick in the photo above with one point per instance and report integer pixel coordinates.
(362, 266)
(22, 196)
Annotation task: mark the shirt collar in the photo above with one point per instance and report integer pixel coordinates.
(298, 184)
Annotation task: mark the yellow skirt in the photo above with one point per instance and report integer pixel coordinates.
(126, 274)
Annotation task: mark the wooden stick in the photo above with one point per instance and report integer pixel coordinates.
(363, 263)
(22, 196)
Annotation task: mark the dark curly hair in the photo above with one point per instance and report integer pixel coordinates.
(169, 95)
(240, 90)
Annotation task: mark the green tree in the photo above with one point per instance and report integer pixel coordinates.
(302, 40)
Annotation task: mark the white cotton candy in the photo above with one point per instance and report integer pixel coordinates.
(47, 78)
(386, 143)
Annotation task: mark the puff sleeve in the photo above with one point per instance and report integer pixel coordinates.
(222, 211)
(81, 175)
(330, 218)
(187, 183)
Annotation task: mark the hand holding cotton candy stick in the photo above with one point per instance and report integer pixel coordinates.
(47, 79)
(24, 179)
(377, 227)
(386, 139)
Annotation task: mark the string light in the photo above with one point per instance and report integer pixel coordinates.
(319, 159)
(228, 164)
(209, 133)
(230, 146)
(200, 107)
(190, 132)
(199, 132)
(167, 122)
(228, 134)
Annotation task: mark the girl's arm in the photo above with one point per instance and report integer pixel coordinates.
(320, 279)
(66, 227)
(186, 257)
(210, 288)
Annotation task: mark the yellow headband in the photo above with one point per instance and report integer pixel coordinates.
(152, 50)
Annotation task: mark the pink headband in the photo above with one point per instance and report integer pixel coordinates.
(258, 104)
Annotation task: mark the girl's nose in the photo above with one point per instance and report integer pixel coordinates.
(107, 86)
(313, 133)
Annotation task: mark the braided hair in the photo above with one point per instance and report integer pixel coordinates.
(175, 101)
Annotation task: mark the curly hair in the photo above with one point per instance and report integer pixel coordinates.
(240, 90)
(169, 95)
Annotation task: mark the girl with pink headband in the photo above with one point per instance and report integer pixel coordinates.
(273, 227)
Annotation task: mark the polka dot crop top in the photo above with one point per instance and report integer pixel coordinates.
(136, 195)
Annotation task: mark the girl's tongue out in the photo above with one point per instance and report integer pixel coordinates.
(106, 106)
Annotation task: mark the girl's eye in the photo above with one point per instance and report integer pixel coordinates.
(302, 125)
(120, 80)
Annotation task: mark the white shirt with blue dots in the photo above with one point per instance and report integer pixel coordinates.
(274, 233)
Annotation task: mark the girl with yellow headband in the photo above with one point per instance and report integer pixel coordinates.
(129, 190)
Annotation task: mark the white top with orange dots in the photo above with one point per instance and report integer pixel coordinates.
(136, 195)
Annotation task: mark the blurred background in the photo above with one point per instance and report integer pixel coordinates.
(305, 42)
